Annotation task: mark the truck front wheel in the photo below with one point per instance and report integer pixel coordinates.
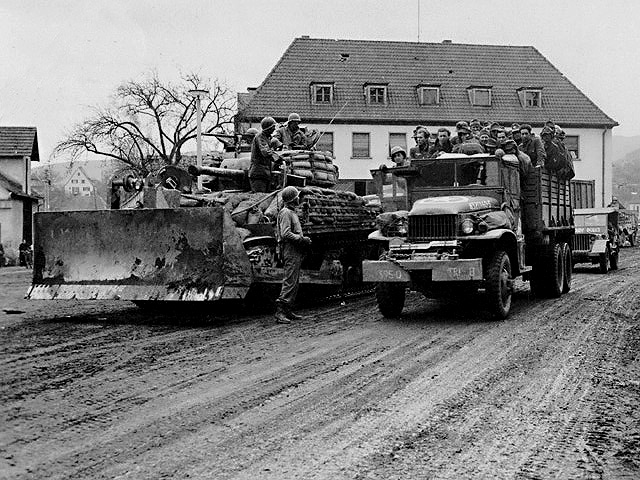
(499, 284)
(390, 298)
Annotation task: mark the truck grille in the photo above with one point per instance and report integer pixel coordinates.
(581, 241)
(432, 227)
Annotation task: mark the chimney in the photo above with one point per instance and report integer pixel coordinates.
(446, 41)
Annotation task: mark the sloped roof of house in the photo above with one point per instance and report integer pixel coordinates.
(15, 188)
(19, 142)
(403, 66)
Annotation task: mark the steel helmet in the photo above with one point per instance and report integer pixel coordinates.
(289, 194)
(398, 149)
(252, 131)
(294, 117)
(267, 122)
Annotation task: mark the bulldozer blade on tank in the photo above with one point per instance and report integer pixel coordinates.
(185, 254)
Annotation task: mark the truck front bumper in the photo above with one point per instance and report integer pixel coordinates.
(441, 270)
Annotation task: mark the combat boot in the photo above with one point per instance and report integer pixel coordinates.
(281, 315)
(293, 316)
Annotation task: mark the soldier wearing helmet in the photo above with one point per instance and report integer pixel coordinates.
(290, 135)
(263, 157)
(399, 156)
(293, 245)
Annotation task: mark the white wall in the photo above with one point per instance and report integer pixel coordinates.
(588, 168)
(10, 224)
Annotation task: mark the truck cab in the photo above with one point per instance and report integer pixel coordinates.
(473, 224)
(597, 237)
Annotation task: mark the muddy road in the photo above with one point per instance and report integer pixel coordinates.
(103, 390)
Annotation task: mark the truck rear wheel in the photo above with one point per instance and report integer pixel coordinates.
(390, 298)
(613, 259)
(548, 274)
(499, 284)
(568, 267)
(604, 262)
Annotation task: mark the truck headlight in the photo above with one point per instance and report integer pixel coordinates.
(467, 226)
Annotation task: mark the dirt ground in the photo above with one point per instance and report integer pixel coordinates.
(103, 390)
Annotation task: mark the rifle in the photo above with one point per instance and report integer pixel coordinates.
(325, 130)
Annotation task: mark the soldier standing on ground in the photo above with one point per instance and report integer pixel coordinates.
(292, 244)
(262, 157)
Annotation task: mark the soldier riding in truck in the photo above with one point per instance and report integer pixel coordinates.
(475, 223)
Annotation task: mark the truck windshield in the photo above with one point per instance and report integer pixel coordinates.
(458, 172)
(595, 220)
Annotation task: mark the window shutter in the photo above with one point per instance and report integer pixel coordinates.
(360, 145)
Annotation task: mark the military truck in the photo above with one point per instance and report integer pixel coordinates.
(597, 237)
(473, 224)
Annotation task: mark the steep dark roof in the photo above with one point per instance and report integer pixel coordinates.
(14, 188)
(19, 142)
(405, 65)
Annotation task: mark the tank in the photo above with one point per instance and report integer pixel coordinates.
(164, 241)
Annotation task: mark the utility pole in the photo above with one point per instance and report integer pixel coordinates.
(198, 94)
(418, 21)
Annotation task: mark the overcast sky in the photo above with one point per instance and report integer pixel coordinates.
(57, 58)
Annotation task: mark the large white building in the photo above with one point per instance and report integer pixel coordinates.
(368, 96)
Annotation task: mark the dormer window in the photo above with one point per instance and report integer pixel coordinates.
(530, 97)
(429, 95)
(376, 94)
(479, 96)
(321, 93)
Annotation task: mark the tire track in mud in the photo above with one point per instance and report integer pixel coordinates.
(340, 395)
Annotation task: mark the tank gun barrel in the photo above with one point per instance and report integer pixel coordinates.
(216, 172)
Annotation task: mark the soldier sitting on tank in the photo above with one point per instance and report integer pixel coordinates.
(421, 150)
(290, 135)
(263, 157)
(293, 246)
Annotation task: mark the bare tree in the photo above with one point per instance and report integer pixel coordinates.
(149, 121)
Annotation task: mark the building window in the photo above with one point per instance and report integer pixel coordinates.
(480, 96)
(429, 95)
(397, 140)
(532, 98)
(325, 143)
(81, 181)
(572, 144)
(360, 145)
(376, 94)
(75, 190)
(74, 181)
(322, 93)
(85, 189)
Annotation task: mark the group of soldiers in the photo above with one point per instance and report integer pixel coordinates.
(548, 150)
(267, 141)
